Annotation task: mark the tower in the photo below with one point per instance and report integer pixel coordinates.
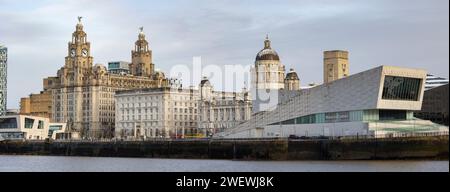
(267, 78)
(206, 89)
(78, 62)
(3, 78)
(335, 65)
(70, 99)
(141, 57)
(292, 82)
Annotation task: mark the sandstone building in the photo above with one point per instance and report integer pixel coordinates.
(82, 94)
(335, 65)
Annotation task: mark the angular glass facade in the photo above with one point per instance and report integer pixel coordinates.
(401, 88)
(3, 75)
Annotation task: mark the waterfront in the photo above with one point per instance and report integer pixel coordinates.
(21, 163)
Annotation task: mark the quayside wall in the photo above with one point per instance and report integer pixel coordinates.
(432, 147)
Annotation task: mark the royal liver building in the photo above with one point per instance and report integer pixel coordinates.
(3, 75)
(83, 93)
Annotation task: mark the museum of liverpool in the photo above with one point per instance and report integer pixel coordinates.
(377, 102)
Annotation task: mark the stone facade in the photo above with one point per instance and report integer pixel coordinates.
(141, 58)
(219, 110)
(267, 78)
(292, 82)
(83, 93)
(335, 65)
(156, 113)
(39, 105)
(179, 113)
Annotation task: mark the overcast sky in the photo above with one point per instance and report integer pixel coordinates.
(407, 33)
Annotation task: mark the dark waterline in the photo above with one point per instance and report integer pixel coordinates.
(18, 163)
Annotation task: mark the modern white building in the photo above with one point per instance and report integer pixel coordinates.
(32, 127)
(375, 102)
(433, 81)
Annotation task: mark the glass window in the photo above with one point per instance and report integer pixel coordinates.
(8, 123)
(29, 123)
(401, 88)
(392, 115)
(288, 122)
(41, 124)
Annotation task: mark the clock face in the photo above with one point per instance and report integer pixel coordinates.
(72, 52)
(84, 52)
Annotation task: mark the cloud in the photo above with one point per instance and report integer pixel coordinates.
(409, 33)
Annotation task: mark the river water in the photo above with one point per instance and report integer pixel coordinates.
(18, 163)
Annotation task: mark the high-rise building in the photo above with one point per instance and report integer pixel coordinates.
(83, 93)
(267, 78)
(3, 78)
(335, 65)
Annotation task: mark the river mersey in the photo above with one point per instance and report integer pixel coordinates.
(105, 164)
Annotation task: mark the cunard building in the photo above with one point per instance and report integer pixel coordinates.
(82, 94)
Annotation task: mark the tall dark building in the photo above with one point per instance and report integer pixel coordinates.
(435, 105)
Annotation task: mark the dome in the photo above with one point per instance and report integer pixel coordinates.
(204, 82)
(292, 75)
(267, 53)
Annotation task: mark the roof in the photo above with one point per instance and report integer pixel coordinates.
(292, 75)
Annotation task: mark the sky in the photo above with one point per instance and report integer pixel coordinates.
(406, 33)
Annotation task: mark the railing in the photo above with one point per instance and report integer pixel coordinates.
(296, 138)
(389, 135)
(170, 139)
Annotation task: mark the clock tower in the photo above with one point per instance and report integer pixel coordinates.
(78, 62)
(141, 57)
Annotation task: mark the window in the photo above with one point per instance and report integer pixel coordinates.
(41, 124)
(401, 88)
(392, 115)
(288, 122)
(52, 128)
(8, 123)
(29, 123)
